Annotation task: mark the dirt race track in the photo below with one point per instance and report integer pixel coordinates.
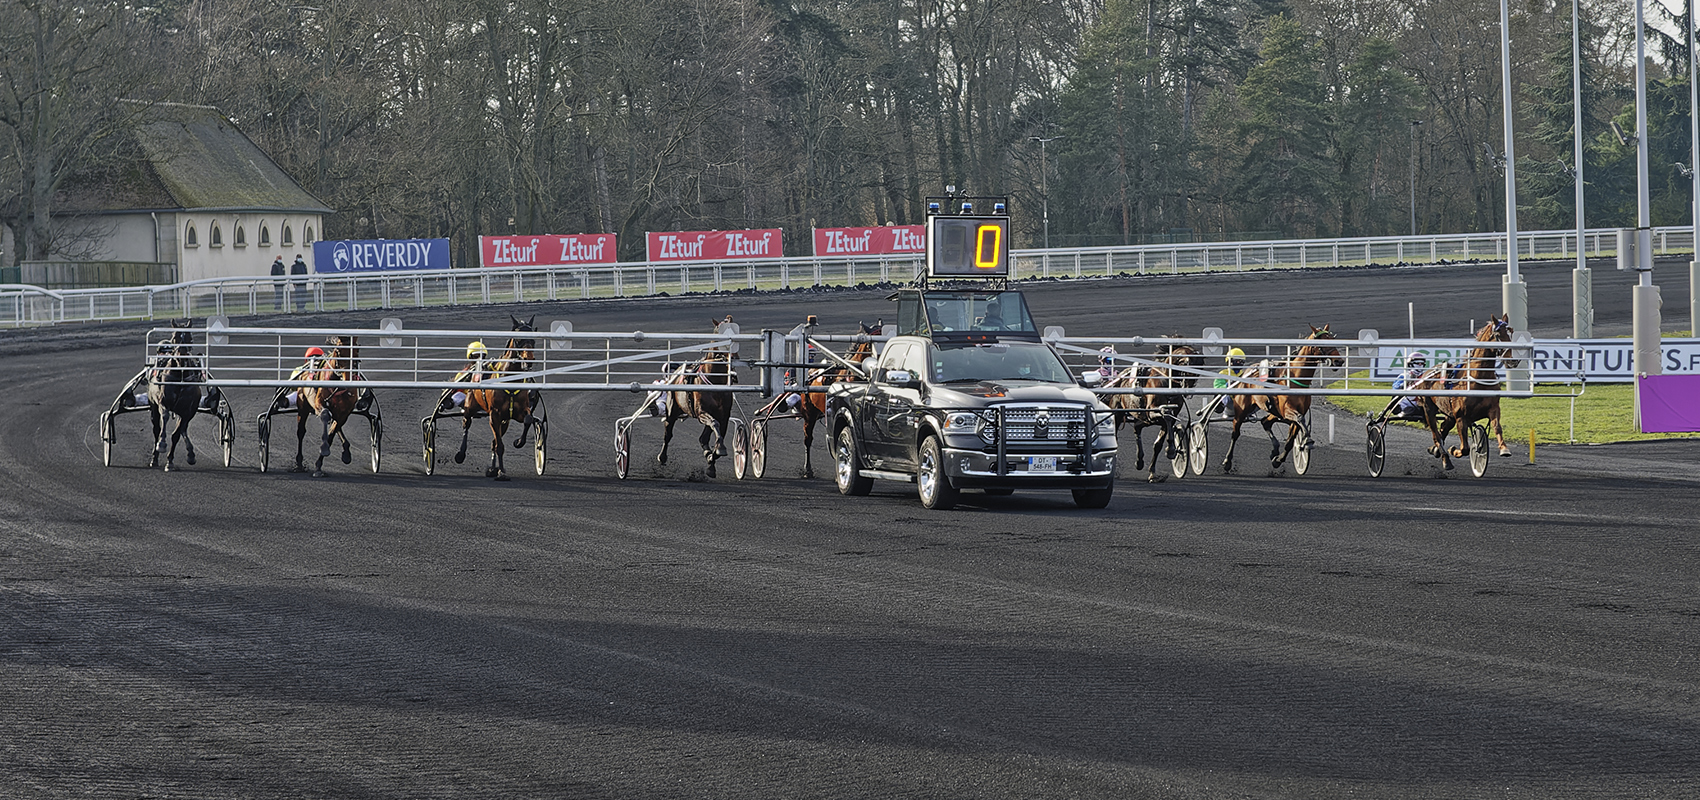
(220, 633)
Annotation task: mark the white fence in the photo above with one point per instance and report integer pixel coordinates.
(29, 306)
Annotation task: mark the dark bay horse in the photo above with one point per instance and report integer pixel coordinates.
(1298, 372)
(1154, 410)
(811, 406)
(505, 405)
(712, 409)
(173, 389)
(1480, 370)
(332, 404)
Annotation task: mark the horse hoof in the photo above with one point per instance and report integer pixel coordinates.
(298, 468)
(491, 473)
(167, 466)
(1157, 478)
(318, 473)
(503, 477)
(1504, 452)
(710, 470)
(346, 458)
(808, 473)
(460, 458)
(191, 459)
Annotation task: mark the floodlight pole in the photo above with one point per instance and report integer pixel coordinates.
(1044, 184)
(1581, 280)
(1645, 324)
(1694, 161)
(1514, 295)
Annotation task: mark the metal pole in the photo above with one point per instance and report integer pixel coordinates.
(1581, 281)
(1515, 295)
(1694, 163)
(1044, 184)
(1413, 181)
(1645, 300)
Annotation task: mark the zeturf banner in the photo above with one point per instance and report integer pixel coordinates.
(1561, 360)
(379, 255)
(715, 245)
(877, 241)
(546, 250)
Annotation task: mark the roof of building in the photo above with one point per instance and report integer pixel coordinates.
(188, 157)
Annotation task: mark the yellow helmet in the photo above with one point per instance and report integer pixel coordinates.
(1236, 353)
(476, 349)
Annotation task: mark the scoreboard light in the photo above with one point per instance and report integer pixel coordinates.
(968, 247)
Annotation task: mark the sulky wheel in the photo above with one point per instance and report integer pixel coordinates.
(377, 444)
(622, 451)
(1301, 450)
(1478, 450)
(1179, 452)
(265, 426)
(1377, 450)
(429, 429)
(740, 448)
(108, 432)
(758, 449)
(227, 436)
(1198, 446)
(540, 449)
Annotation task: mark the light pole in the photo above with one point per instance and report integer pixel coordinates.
(1581, 281)
(1044, 184)
(1514, 294)
(1644, 325)
(1413, 182)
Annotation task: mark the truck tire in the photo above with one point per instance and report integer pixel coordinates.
(847, 460)
(936, 491)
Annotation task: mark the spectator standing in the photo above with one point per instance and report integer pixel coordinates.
(277, 293)
(299, 268)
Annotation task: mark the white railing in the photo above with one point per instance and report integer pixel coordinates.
(248, 296)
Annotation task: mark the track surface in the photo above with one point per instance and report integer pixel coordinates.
(221, 633)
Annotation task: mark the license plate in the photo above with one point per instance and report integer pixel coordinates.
(1042, 464)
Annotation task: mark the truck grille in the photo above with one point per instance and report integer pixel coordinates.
(1043, 424)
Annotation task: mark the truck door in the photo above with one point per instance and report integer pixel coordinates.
(885, 409)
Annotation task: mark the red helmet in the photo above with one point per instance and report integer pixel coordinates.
(313, 351)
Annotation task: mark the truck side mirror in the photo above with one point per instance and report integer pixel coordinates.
(1091, 378)
(900, 377)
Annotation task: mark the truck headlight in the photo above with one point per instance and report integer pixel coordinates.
(1106, 423)
(962, 422)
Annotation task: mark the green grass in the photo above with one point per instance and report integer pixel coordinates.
(1604, 413)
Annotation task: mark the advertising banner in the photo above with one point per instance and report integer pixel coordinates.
(546, 250)
(715, 245)
(1559, 360)
(876, 241)
(379, 255)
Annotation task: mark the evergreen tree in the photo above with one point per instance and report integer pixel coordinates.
(1287, 176)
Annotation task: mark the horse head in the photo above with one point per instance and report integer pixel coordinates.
(521, 351)
(344, 355)
(1497, 329)
(1183, 355)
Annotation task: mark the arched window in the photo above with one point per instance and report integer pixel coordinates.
(265, 235)
(241, 236)
(217, 236)
(288, 235)
(309, 237)
(189, 236)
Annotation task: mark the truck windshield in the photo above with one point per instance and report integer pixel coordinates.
(1013, 361)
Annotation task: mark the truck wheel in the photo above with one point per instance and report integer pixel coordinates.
(936, 491)
(1094, 498)
(848, 460)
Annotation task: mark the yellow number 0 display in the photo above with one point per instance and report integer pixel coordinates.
(986, 254)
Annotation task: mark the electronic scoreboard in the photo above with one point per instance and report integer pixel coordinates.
(964, 244)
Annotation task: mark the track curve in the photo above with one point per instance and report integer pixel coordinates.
(222, 633)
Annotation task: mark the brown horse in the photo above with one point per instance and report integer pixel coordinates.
(811, 406)
(1154, 410)
(173, 389)
(502, 405)
(1479, 371)
(332, 404)
(1297, 372)
(712, 409)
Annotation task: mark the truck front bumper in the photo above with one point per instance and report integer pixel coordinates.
(976, 469)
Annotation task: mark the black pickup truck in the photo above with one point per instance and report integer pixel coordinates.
(967, 396)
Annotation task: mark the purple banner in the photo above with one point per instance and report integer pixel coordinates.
(1669, 403)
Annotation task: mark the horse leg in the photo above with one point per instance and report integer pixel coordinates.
(331, 428)
(1498, 432)
(1139, 447)
(1233, 438)
(808, 442)
(300, 436)
(465, 431)
(159, 423)
(666, 438)
(1276, 457)
(709, 453)
(1156, 447)
(183, 431)
(498, 427)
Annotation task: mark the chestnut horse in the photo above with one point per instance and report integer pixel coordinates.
(1479, 371)
(502, 405)
(173, 388)
(811, 406)
(332, 404)
(712, 409)
(1297, 372)
(1154, 410)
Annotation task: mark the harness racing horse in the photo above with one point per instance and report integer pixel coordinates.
(811, 406)
(712, 409)
(332, 404)
(173, 388)
(1297, 372)
(1154, 410)
(1480, 371)
(504, 405)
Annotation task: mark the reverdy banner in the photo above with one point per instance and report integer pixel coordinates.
(715, 245)
(876, 241)
(546, 250)
(1597, 360)
(380, 255)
